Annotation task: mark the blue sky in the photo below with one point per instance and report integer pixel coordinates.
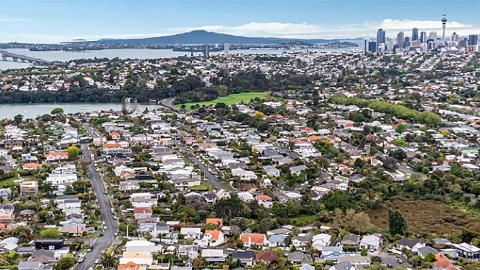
(63, 20)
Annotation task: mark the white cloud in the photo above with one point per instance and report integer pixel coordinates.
(279, 29)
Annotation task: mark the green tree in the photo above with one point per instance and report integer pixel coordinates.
(396, 223)
(50, 233)
(65, 263)
(17, 119)
(73, 151)
(57, 111)
(400, 128)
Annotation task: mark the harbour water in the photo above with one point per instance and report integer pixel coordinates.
(125, 54)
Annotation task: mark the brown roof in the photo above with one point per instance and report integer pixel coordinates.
(266, 256)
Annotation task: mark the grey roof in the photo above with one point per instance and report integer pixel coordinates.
(423, 251)
(343, 266)
(351, 239)
(30, 265)
(247, 254)
(299, 257)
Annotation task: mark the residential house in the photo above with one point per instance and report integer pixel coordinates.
(370, 242)
(350, 240)
(277, 240)
(26, 215)
(271, 171)
(442, 262)
(358, 261)
(297, 170)
(49, 244)
(245, 196)
(6, 213)
(26, 265)
(190, 251)
(244, 175)
(191, 233)
(142, 212)
(9, 243)
(42, 256)
(266, 256)
(5, 193)
(216, 221)
(410, 244)
(302, 240)
(212, 238)
(56, 156)
(28, 188)
(298, 258)
(56, 179)
(321, 240)
(251, 239)
(467, 251)
(424, 251)
(265, 200)
(213, 255)
(129, 266)
(246, 257)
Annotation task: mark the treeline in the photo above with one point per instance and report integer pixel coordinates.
(188, 89)
(399, 111)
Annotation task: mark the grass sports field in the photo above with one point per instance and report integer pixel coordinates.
(229, 100)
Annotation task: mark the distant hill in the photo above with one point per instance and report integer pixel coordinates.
(205, 37)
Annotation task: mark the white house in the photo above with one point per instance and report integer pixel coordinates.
(245, 196)
(61, 179)
(212, 238)
(370, 242)
(244, 175)
(192, 233)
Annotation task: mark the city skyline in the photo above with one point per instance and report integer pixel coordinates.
(52, 21)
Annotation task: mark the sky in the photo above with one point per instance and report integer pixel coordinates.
(53, 21)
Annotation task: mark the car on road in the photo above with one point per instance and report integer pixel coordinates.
(104, 227)
(97, 261)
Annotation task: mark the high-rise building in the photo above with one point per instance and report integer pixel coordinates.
(472, 40)
(455, 39)
(444, 25)
(414, 34)
(372, 46)
(423, 37)
(380, 38)
(407, 42)
(206, 51)
(226, 48)
(401, 40)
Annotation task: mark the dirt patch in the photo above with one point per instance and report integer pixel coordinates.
(425, 217)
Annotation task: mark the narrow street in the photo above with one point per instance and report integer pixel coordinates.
(105, 241)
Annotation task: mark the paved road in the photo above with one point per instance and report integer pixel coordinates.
(104, 242)
(212, 179)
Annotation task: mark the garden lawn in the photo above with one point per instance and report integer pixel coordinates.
(303, 220)
(229, 100)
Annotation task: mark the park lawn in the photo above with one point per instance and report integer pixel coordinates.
(201, 187)
(9, 181)
(228, 100)
(303, 220)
